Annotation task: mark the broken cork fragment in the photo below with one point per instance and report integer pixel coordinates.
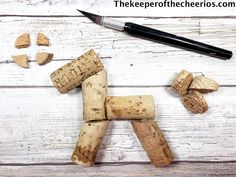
(23, 41)
(203, 84)
(21, 60)
(42, 40)
(182, 82)
(43, 58)
(195, 102)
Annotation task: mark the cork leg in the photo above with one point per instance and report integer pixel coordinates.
(90, 139)
(153, 142)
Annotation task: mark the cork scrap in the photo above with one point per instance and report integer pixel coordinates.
(195, 102)
(23, 41)
(21, 60)
(191, 88)
(43, 58)
(42, 40)
(182, 82)
(203, 84)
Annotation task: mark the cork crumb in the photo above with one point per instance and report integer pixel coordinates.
(43, 58)
(23, 41)
(21, 60)
(42, 40)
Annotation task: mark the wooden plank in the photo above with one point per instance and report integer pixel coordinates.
(68, 7)
(181, 169)
(70, 37)
(40, 125)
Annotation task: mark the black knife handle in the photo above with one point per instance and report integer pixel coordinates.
(176, 41)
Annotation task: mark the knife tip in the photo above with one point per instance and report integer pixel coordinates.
(81, 11)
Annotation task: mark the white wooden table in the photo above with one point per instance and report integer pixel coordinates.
(39, 126)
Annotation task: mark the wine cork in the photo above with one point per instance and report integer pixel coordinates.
(153, 142)
(195, 102)
(72, 74)
(89, 141)
(182, 82)
(94, 91)
(130, 107)
(203, 84)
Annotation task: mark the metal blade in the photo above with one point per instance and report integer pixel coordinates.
(95, 18)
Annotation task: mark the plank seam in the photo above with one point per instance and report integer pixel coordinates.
(110, 163)
(110, 86)
(59, 59)
(163, 17)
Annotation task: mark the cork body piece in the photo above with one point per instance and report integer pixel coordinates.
(130, 107)
(153, 142)
(72, 74)
(42, 40)
(94, 91)
(23, 41)
(90, 139)
(182, 82)
(21, 60)
(203, 84)
(195, 102)
(43, 58)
